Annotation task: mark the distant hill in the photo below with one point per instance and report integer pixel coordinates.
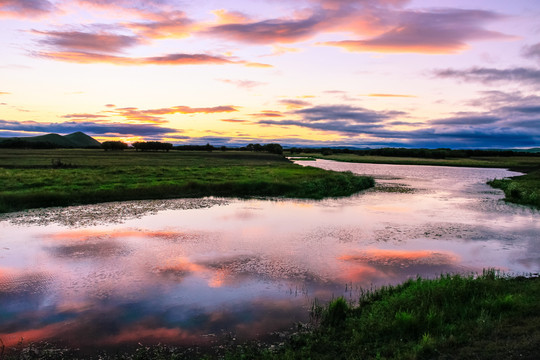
(532, 150)
(82, 140)
(76, 140)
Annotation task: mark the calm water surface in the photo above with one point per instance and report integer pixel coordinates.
(196, 271)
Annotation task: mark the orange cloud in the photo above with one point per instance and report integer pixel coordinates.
(169, 59)
(152, 116)
(268, 113)
(228, 17)
(257, 65)
(170, 25)
(4, 93)
(294, 104)
(234, 120)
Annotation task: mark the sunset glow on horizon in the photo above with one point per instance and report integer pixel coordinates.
(400, 73)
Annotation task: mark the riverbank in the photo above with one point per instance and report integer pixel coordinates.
(524, 190)
(45, 178)
(451, 317)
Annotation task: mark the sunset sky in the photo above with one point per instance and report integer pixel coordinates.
(419, 73)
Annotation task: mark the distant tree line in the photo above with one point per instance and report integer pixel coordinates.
(23, 144)
(270, 148)
(114, 145)
(152, 146)
(441, 153)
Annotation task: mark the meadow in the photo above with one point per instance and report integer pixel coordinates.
(524, 190)
(44, 178)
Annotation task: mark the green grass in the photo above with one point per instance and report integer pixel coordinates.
(43, 178)
(452, 317)
(524, 190)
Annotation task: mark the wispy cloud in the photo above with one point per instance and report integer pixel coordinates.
(268, 113)
(268, 31)
(80, 57)
(82, 116)
(346, 112)
(155, 115)
(152, 116)
(4, 93)
(25, 8)
(87, 42)
(467, 120)
(244, 84)
(91, 128)
(443, 31)
(163, 25)
(235, 120)
(294, 103)
(509, 126)
(390, 95)
(532, 51)
(524, 75)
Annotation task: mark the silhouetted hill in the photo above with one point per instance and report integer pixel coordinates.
(49, 141)
(82, 140)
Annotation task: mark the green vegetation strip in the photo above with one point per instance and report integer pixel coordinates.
(524, 190)
(44, 178)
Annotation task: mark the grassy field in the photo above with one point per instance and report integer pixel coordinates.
(523, 190)
(43, 178)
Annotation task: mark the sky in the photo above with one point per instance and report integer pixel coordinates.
(399, 73)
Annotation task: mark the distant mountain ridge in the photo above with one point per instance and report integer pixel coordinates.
(75, 140)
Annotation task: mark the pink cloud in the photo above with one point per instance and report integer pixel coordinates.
(246, 84)
(173, 24)
(25, 8)
(155, 115)
(84, 41)
(82, 116)
(444, 31)
(294, 104)
(81, 57)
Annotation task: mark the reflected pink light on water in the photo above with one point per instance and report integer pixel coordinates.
(33, 335)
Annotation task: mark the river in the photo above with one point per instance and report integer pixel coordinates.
(198, 271)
